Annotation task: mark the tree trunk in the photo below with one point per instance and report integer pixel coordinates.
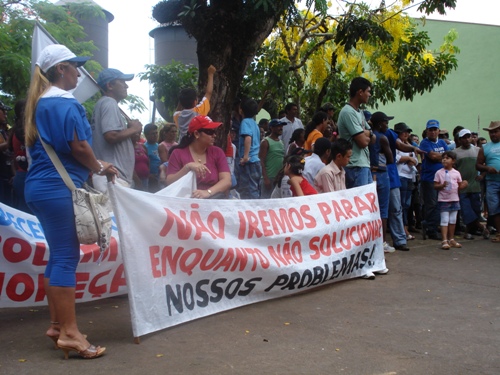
(228, 36)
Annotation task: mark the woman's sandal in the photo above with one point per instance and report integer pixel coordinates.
(454, 243)
(89, 353)
(445, 245)
(410, 237)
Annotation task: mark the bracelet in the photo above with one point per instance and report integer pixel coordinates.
(209, 192)
(101, 168)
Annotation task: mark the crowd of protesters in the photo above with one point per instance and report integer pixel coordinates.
(282, 158)
(440, 186)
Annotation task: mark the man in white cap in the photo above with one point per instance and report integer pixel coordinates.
(470, 197)
(111, 132)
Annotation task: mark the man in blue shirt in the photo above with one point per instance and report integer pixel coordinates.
(434, 147)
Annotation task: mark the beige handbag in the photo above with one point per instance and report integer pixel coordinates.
(92, 208)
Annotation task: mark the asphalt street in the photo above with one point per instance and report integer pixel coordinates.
(436, 312)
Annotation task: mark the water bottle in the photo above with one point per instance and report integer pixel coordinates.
(448, 181)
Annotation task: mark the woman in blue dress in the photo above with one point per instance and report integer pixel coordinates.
(53, 114)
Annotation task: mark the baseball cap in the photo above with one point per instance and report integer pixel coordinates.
(463, 132)
(380, 117)
(367, 115)
(109, 74)
(56, 53)
(202, 122)
(276, 122)
(4, 107)
(401, 127)
(432, 124)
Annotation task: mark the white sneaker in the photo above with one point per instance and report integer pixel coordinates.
(388, 248)
(369, 276)
(385, 271)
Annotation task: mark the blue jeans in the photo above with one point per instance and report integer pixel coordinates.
(430, 212)
(249, 176)
(383, 192)
(357, 176)
(395, 220)
(405, 190)
(470, 205)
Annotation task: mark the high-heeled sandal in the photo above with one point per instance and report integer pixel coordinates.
(89, 353)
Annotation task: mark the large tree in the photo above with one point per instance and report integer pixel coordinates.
(306, 61)
(229, 33)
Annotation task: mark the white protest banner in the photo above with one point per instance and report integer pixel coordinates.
(182, 188)
(188, 258)
(86, 86)
(24, 254)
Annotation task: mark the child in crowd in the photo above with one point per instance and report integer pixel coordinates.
(448, 181)
(249, 168)
(188, 100)
(141, 168)
(332, 176)
(168, 135)
(297, 140)
(299, 186)
(151, 144)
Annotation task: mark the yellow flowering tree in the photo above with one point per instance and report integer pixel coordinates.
(311, 58)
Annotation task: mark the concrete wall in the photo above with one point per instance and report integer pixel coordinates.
(96, 30)
(468, 92)
(173, 43)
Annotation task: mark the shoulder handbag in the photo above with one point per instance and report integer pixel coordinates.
(92, 208)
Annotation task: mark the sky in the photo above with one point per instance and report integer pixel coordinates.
(131, 47)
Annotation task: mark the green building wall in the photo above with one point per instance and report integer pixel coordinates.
(470, 94)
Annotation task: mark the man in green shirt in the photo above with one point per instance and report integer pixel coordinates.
(354, 128)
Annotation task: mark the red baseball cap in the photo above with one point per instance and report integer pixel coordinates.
(202, 122)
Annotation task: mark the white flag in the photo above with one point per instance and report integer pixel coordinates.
(86, 86)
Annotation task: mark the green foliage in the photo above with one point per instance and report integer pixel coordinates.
(16, 32)
(168, 80)
(352, 29)
(431, 6)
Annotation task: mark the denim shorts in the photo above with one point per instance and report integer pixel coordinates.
(470, 204)
(493, 197)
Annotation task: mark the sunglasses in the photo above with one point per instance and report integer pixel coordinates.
(207, 131)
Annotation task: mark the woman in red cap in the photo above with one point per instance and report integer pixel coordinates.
(196, 152)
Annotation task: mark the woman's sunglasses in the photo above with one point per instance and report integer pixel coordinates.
(208, 131)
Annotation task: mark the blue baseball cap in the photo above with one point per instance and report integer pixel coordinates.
(432, 124)
(367, 115)
(276, 122)
(108, 75)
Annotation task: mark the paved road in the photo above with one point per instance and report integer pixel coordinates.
(436, 312)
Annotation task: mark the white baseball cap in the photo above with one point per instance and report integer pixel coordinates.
(56, 53)
(463, 132)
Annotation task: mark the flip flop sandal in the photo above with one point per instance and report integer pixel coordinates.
(495, 239)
